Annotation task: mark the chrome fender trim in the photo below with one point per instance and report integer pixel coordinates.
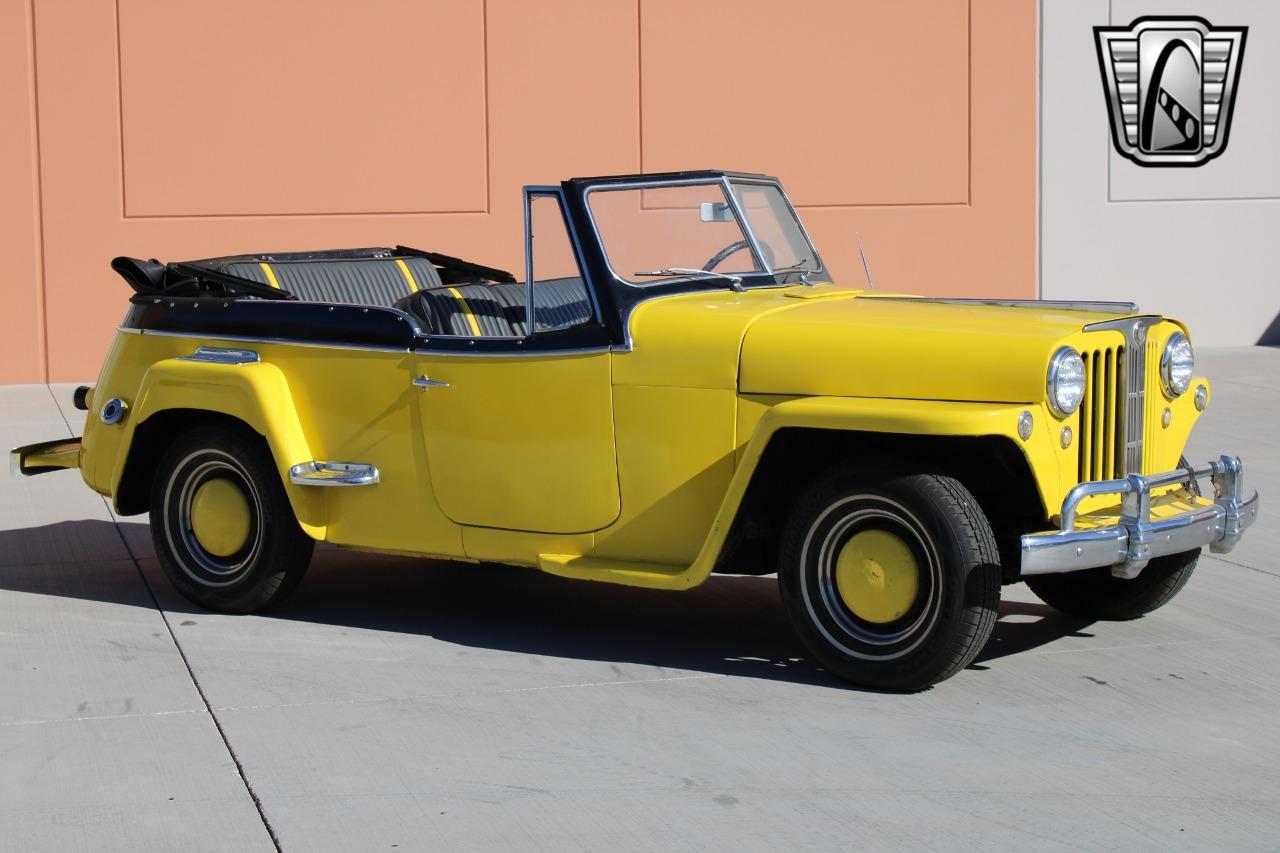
(333, 474)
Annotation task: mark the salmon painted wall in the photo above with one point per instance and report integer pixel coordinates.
(182, 129)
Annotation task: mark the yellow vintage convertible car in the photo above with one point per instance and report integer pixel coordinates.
(675, 387)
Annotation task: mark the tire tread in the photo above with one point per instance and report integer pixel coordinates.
(951, 502)
(286, 554)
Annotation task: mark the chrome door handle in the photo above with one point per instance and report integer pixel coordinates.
(424, 383)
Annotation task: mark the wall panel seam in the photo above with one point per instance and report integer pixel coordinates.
(1039, 186)
(488, 147)
(968, 201)
(42, 308)
(484, 70)
(124, 184)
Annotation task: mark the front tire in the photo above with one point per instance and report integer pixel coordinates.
(224, 531)
(891, 580)
(1098, 594)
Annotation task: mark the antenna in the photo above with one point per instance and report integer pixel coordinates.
(865, 266)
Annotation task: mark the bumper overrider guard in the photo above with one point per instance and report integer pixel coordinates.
(1130, 544)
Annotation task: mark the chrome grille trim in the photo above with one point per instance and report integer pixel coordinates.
(1130, 427)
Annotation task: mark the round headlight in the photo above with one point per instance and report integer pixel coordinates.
(1066, 381)
(1177, 364)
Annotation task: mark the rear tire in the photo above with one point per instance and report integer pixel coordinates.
(241, 549)
(841, 601)
(1098, 594)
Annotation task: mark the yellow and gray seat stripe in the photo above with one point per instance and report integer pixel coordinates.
(409, 280)
(408, 275)
(270, 274)
(466, 311)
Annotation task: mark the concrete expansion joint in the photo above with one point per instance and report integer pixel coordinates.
(195, 682)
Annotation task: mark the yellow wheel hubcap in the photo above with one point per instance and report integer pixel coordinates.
(220, 517)
(877, 576)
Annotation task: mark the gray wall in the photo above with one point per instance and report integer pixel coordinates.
(1200, 244)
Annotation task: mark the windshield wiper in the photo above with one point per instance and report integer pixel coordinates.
(801, 267)
(735, 281)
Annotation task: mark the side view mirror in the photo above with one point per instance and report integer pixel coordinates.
(716, 211)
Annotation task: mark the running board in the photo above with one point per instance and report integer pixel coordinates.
(333, 474)
(651, 575)
(56, 455)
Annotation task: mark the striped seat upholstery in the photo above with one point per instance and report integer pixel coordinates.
(365, 281)
(488, 310)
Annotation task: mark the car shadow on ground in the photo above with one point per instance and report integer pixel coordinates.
(732, 624)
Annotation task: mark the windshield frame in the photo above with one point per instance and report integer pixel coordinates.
(753, 180)
(764, 276)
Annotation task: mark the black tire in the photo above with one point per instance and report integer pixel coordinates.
(276, 551)
(956, 564)
(1098, 594)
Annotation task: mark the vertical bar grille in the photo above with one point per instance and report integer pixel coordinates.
(1103, 413)
(1114, 428)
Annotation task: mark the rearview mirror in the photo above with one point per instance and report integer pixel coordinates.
(716, 211)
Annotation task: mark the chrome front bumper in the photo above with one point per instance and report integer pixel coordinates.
(1130, 544)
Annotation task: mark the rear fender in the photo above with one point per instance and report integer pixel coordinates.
(256, 394)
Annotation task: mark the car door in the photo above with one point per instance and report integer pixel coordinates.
(517, 415)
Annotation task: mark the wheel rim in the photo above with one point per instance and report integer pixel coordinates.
(221, 518)
(213, 518)
(877, 576)
(861, 616)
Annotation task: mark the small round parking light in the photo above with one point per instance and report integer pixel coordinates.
(1202, 397)
(1065, 437)
(1026, 423)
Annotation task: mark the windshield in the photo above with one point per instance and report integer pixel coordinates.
(690, 230)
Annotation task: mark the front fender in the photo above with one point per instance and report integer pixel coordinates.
(902, 417)
(256, 394)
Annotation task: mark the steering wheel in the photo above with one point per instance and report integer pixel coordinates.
(738, 246)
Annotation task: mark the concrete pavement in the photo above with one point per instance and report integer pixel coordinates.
(415, 705)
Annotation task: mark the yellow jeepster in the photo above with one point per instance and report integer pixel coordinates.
(674, 386)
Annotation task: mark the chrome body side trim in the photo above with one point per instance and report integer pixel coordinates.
(545, 353)
(1056, 304)
(424, 347)
(245, 339)
(333, 474)
(1128, 545)
(222, 355)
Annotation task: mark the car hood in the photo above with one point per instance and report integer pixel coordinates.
(907, 348)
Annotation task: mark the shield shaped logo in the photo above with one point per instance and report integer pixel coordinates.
(1170, 85)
